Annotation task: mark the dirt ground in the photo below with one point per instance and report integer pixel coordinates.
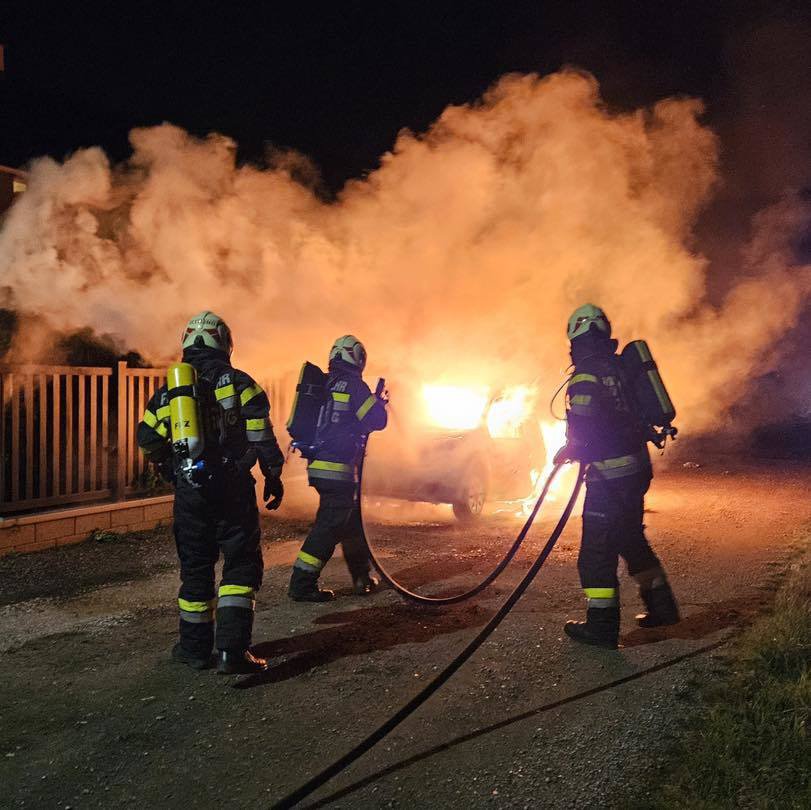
(94, 714)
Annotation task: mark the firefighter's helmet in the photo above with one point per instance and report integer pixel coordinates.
(586, 318)
(349, 349)
(208, 330)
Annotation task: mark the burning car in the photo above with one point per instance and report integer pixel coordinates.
(461, 446)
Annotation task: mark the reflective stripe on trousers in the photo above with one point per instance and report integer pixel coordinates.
(197, 612)
(237, 596)
(602, 597)
(619, 467)
(306, 562)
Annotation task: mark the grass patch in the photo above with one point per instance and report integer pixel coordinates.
(750, 747)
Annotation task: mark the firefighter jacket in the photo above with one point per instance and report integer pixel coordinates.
(240, 431)
(602, 425)
(350, 413)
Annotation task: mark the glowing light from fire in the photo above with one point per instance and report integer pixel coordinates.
(466, 407)
(554, 437)
(509, 412)
(454, 407)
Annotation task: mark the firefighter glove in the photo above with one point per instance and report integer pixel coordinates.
(274, 492)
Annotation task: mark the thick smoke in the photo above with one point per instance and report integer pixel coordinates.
(458, 260)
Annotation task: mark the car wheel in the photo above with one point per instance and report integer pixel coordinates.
(472, 496)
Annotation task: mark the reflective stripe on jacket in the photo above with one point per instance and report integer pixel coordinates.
(350, 413)
(601, 427)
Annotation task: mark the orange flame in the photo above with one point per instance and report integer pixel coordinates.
(454, 407)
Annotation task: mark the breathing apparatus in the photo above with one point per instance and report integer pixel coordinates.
(643, 387)
(187, 426)
(311, 406)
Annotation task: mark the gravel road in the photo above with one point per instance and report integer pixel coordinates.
(93, 714)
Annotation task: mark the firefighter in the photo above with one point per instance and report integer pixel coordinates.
(218, 514)
(605, 432)
(350, 413)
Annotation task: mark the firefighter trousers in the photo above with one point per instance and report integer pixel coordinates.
(337, 521)
(612, 528)
(221, 518)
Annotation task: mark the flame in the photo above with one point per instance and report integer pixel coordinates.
(454, 407)
(554, 437)
(467, 407)
(509, 412)
(507, 416)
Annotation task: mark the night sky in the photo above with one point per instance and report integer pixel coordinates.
(337, 81)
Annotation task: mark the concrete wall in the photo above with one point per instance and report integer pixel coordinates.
(65, 526)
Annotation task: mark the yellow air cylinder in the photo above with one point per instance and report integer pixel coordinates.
(184, 410)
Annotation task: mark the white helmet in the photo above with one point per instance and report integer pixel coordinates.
(208, 330)
(583, 318)
(349, 349)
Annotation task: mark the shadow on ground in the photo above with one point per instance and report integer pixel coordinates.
(714, 617)
(359, 632)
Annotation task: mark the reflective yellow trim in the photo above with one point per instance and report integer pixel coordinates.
(149, 418)
(225, 392)
(249, 393)
(339, 397)
(366, 407)
(310, 560)
(600, 593)
(335, 466)
(581, 399)
(583, 378)
(164, 412)
(196, 607)
(256, 424)
(615, 463)
(162, 430)
(236, 590)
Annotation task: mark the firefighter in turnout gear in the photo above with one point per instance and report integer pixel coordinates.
(351, 411)
(215, 507)
(605, 432)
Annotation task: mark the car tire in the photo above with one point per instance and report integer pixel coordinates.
(472, 496)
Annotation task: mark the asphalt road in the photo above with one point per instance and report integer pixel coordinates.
(94, 714)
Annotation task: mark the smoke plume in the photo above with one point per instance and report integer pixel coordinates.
(458, 260)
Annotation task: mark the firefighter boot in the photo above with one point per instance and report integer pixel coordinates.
(304, 587)
(661, 607)
(240, 662)
(364, 584)
(183, 656)
(601, 628)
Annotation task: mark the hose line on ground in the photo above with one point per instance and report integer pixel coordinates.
(376, 736)
(488, 580)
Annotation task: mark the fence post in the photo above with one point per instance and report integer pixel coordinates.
(121, 426)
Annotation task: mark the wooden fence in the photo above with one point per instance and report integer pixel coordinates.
(68, 433)
(68, 436)
(136, 386)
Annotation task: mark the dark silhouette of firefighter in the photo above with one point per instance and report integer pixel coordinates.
(335, 412)
(205, 429)
(614, 404)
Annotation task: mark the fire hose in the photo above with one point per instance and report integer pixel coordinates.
(488, 580)
(292, 799)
